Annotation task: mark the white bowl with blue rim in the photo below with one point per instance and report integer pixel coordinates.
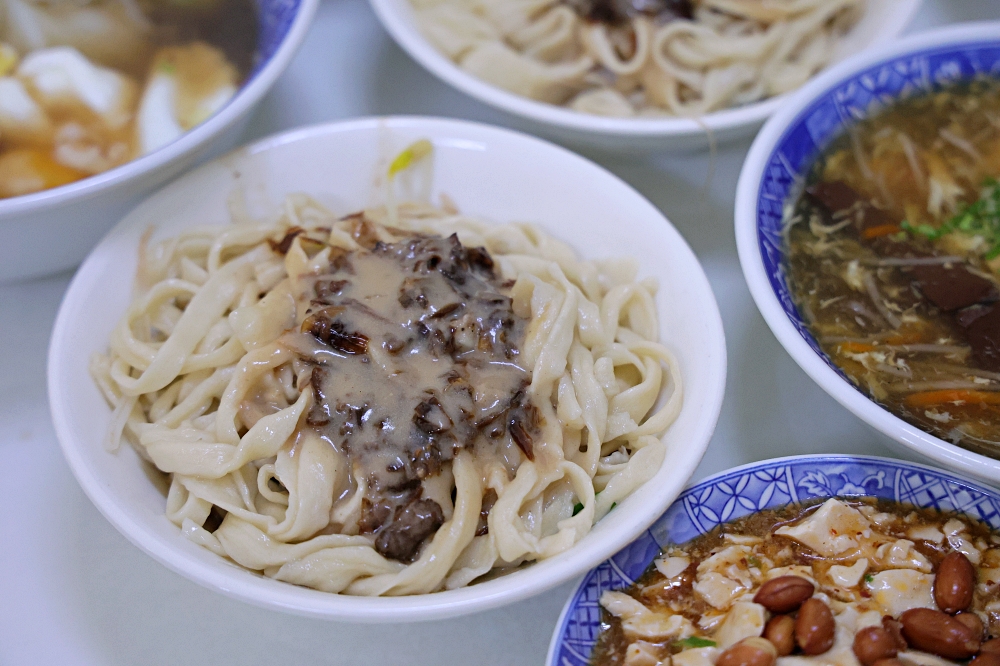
(53, 230)
(740, 491)
(781, 156)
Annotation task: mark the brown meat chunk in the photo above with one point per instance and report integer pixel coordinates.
(833, 195)
(401, 539)
(984, 337)
(951, 287)
(619, 11)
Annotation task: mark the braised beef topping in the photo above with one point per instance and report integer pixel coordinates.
(374, 514)
(326, 326)
(415, 349)
(363, 231)
(983, 335)
(616, 12)
(489, 499)
(319, 412)
(966, 316)
(285, 243)
(328, 289)
(411, 525)
(215, 518)
(951, 287)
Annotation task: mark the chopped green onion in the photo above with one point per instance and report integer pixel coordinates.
(613, 505)
(980, 218)
(753, 561)
(869, 578)
(694, 642)
(577, 508)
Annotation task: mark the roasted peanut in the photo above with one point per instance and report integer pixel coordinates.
(783, 594)
(874, 643)
(954, 583)
(895, 630)
(938, 633)
(780, 630)
(749, 652)
(992, 645)
(814, 627)
(972, 621)
(986, 659)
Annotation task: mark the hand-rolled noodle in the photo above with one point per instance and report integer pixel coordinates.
(627, 58)
(398, 401)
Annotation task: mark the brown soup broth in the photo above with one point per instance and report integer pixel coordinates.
(676, 596)
(893, 257)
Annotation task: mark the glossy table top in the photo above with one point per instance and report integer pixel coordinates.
(74, 591)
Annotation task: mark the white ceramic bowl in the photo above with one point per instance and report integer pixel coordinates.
(883, 20)
(782, 154)
(489, 172)
(54, 229)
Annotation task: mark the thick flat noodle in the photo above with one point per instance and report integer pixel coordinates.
(411, 408)
(639, 57)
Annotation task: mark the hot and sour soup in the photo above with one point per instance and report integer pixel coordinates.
(893, 258)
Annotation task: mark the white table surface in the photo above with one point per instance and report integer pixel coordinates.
(74, 591)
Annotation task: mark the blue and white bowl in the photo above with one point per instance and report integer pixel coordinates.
(738, 492)
(54, 229)
(781, 157)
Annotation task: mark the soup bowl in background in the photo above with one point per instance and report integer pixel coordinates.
(52, 230)
(489, 173)
(882, 21)
(782, 155)
(741, 491)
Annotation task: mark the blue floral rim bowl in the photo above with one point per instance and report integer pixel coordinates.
(743, 490)
(778, 162)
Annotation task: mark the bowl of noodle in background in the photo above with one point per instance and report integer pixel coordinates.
(488, 174)
(774, 174)
(539, 61)
(53, 229)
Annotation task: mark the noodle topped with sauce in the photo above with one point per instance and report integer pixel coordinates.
(398, 401)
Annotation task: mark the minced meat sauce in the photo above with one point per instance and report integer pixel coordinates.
(415, 352)
(615, 12)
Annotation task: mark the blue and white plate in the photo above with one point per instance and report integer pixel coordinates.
(738, 492)
(778, 162)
